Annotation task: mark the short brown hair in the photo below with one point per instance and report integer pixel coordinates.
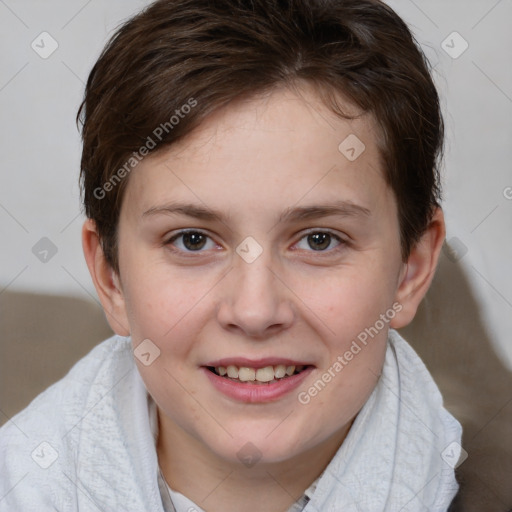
(180, 60)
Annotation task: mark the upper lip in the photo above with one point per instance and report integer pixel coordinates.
(256, 363)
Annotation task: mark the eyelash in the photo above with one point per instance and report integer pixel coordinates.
(341, 242)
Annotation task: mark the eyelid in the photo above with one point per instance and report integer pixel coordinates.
(343, 241)
(335, 234)
(184, 231)
(169, 239)
(319, 230)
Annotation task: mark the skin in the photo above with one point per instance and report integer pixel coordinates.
(251, 162)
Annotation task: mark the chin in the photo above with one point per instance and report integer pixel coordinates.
(260, 445)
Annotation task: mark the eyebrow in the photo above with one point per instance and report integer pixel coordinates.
(337, 208)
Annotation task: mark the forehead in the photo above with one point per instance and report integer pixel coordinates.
(275, 150)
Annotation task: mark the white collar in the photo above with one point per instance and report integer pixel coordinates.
(392, 457)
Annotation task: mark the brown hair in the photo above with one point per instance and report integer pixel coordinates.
(168, 67)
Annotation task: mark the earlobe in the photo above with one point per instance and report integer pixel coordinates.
(417, 274)
(106, 281)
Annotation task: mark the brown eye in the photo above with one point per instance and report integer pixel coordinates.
(319, 241)
(191, 241)
(194, 241)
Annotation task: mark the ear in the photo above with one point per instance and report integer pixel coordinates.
(106, 281)
(417, 274)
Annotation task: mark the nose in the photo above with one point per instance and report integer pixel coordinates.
(254, 301)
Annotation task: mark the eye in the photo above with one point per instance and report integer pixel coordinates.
(191, 241)
(320, 241)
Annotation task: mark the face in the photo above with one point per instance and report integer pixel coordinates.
(256, 244)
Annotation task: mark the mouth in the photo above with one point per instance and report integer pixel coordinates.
(249, 381)
(258, 376)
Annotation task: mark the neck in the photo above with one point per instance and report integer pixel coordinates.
(219, 485)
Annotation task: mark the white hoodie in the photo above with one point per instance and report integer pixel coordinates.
(86, 443)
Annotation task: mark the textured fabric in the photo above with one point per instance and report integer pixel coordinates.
(391, 459)
(176, 502)
(180, 503)
(85, 444)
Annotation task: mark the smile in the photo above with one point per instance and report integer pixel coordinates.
(266, 375)
(256, 382)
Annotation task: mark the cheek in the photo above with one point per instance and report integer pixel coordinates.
(162, 302)
(171, 310)
(346, 302)
(167, 309)
(347, 307)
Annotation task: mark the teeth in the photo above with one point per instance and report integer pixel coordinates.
(267, 374)
(280, 371)
(232, 372)
(290, 370)
(245, 374)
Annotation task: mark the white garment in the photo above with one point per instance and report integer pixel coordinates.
(85, 444)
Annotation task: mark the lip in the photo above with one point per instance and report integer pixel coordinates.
(256, 393)
(256, 363)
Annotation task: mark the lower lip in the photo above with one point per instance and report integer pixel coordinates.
(256, 393)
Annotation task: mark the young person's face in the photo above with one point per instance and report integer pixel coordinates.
(269, 169)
